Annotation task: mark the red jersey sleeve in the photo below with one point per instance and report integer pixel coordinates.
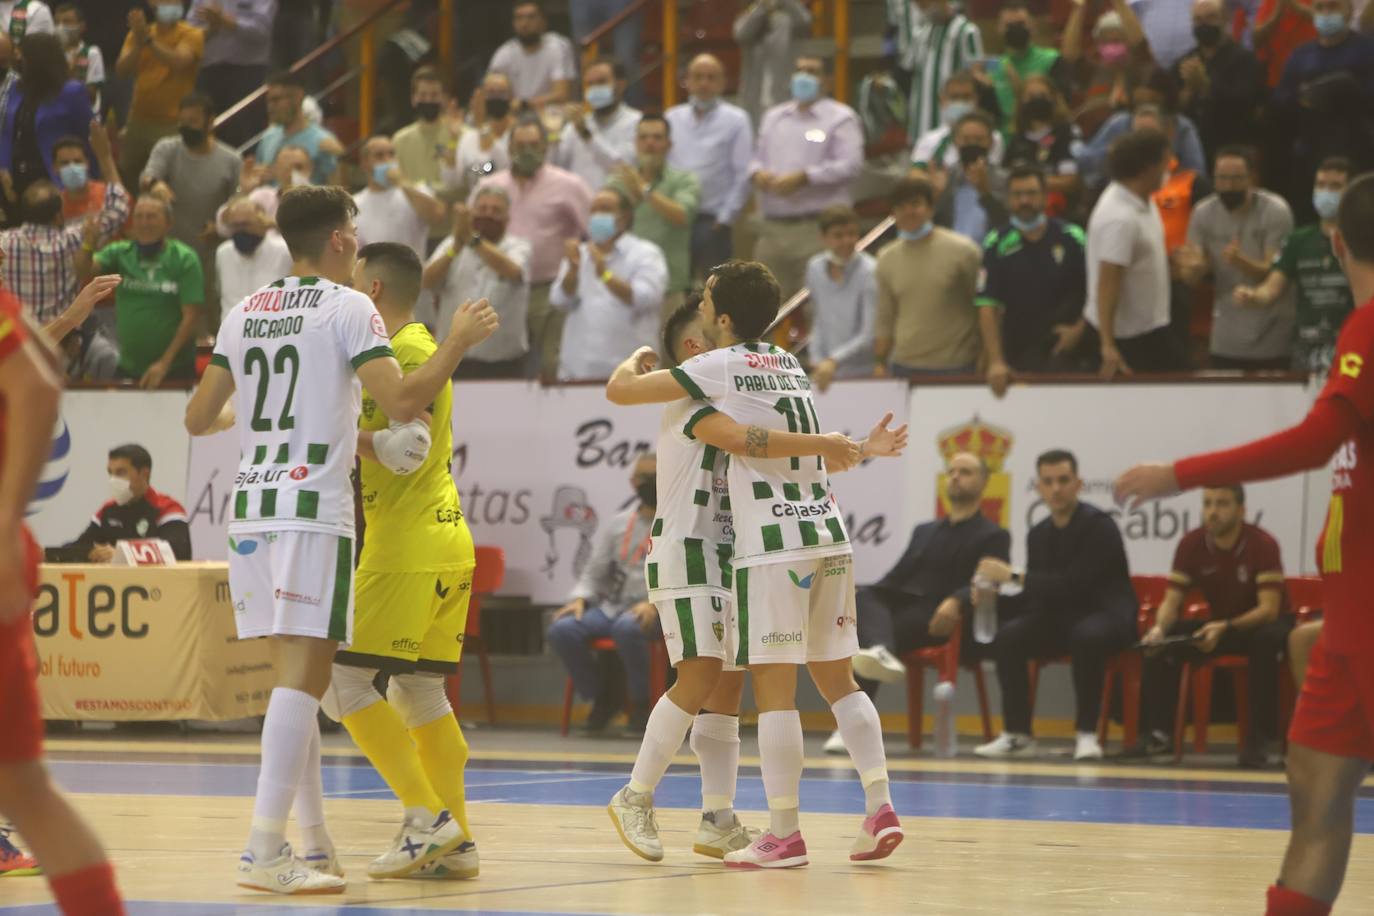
(1186, 560)
(1352, 371)
(12, 334)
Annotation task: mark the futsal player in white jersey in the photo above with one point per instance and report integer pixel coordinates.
(793, 575)
(689, 577)
(292, 356)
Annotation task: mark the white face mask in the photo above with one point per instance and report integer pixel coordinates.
(121, 491)
(299, 178)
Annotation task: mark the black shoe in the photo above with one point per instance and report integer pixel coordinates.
(1151, 745)
(601, 715)
(639, 720)
(1253, 758)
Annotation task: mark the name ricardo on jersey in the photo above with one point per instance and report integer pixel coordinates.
(269, 328)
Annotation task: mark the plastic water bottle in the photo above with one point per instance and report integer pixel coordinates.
(985, 612)
(946, 738)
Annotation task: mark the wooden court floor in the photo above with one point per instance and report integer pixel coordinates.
(1024, 838)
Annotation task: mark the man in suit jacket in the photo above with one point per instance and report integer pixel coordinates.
(1075, 598)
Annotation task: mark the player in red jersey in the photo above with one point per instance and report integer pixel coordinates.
(81, 878)
(1331, 742)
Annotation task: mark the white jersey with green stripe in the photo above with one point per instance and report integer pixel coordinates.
(783, 508)
(689, 553)
(294, 348)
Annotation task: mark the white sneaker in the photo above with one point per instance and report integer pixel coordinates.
(718, 842)
(285, 874)
(416, 845)
(324, 861)
(458, 865)
(877, 664)
(835, 744)
(1087, 747)
(1007, 745)
(633, 816)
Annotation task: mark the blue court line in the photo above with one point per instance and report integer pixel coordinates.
(180, 908)
(827, 792)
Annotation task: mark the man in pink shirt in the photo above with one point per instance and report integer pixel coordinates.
(548, 206)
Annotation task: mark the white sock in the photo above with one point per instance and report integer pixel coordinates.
(285, 749)
(863, 737)
(781, 755)
(309, 804)
(715, 741)
(663, 735)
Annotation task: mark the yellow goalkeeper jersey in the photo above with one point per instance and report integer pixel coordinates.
(414, 522)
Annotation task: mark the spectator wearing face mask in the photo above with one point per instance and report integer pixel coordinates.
(1021, 60)
(254, 255)
(1046, 137)
(238, 49)
(539, 64)
(612, 288)
(423, 145)
(1233, 239)
(935, 150)
(600, 131)
(392, 208)
(264, 184)
(162, 59)
(548, 206)
(198, 174)
(973, 201)
(767, 32)
(158, 305)
(82, 194)
(482, 260)
(85, 58)
(809, 152)
(135, 511)
(1308, 264)
(45, 257)
(1326, 96)
(844, 301)
(485, 148)
(1105, 73)
(1223, 89)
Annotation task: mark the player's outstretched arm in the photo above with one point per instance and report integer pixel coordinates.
(726, 434)
(209, 410)
(882, 442)
(633, 382)
(402, 397)
(1304, 447)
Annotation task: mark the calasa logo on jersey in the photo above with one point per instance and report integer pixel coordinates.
(992, 445)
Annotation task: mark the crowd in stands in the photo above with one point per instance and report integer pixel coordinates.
(1142, 187)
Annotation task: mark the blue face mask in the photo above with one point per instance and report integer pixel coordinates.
(951, 112)
(74, 175)
(379, 173)
(600, 96)
(915, 235)
(805, 87)
(168, 13)
(601, 227)
(1329, 25)
(1326, 203)
(1029, 225)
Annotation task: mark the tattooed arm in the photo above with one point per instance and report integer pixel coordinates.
(838, 450)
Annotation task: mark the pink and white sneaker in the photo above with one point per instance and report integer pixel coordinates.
(880, 834)
(770, 852)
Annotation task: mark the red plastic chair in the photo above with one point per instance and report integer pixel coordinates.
(658, 676)
(1304, 594)
(1127, 665)
(1306, 598)
(486, 580)
(945, 661)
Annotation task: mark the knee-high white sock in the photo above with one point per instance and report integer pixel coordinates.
(863, 736)
(285, 749)
(309, 804)
(663, 735)
(781, 754)
(715, 741)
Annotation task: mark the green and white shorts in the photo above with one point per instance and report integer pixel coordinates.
(698, 625)
(292, 583)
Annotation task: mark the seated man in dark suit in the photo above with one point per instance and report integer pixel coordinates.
(927, 594)
(1075, 599)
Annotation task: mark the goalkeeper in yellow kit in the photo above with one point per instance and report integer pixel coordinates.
(413, 583)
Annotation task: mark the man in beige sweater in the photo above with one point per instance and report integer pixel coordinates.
(927, 279)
